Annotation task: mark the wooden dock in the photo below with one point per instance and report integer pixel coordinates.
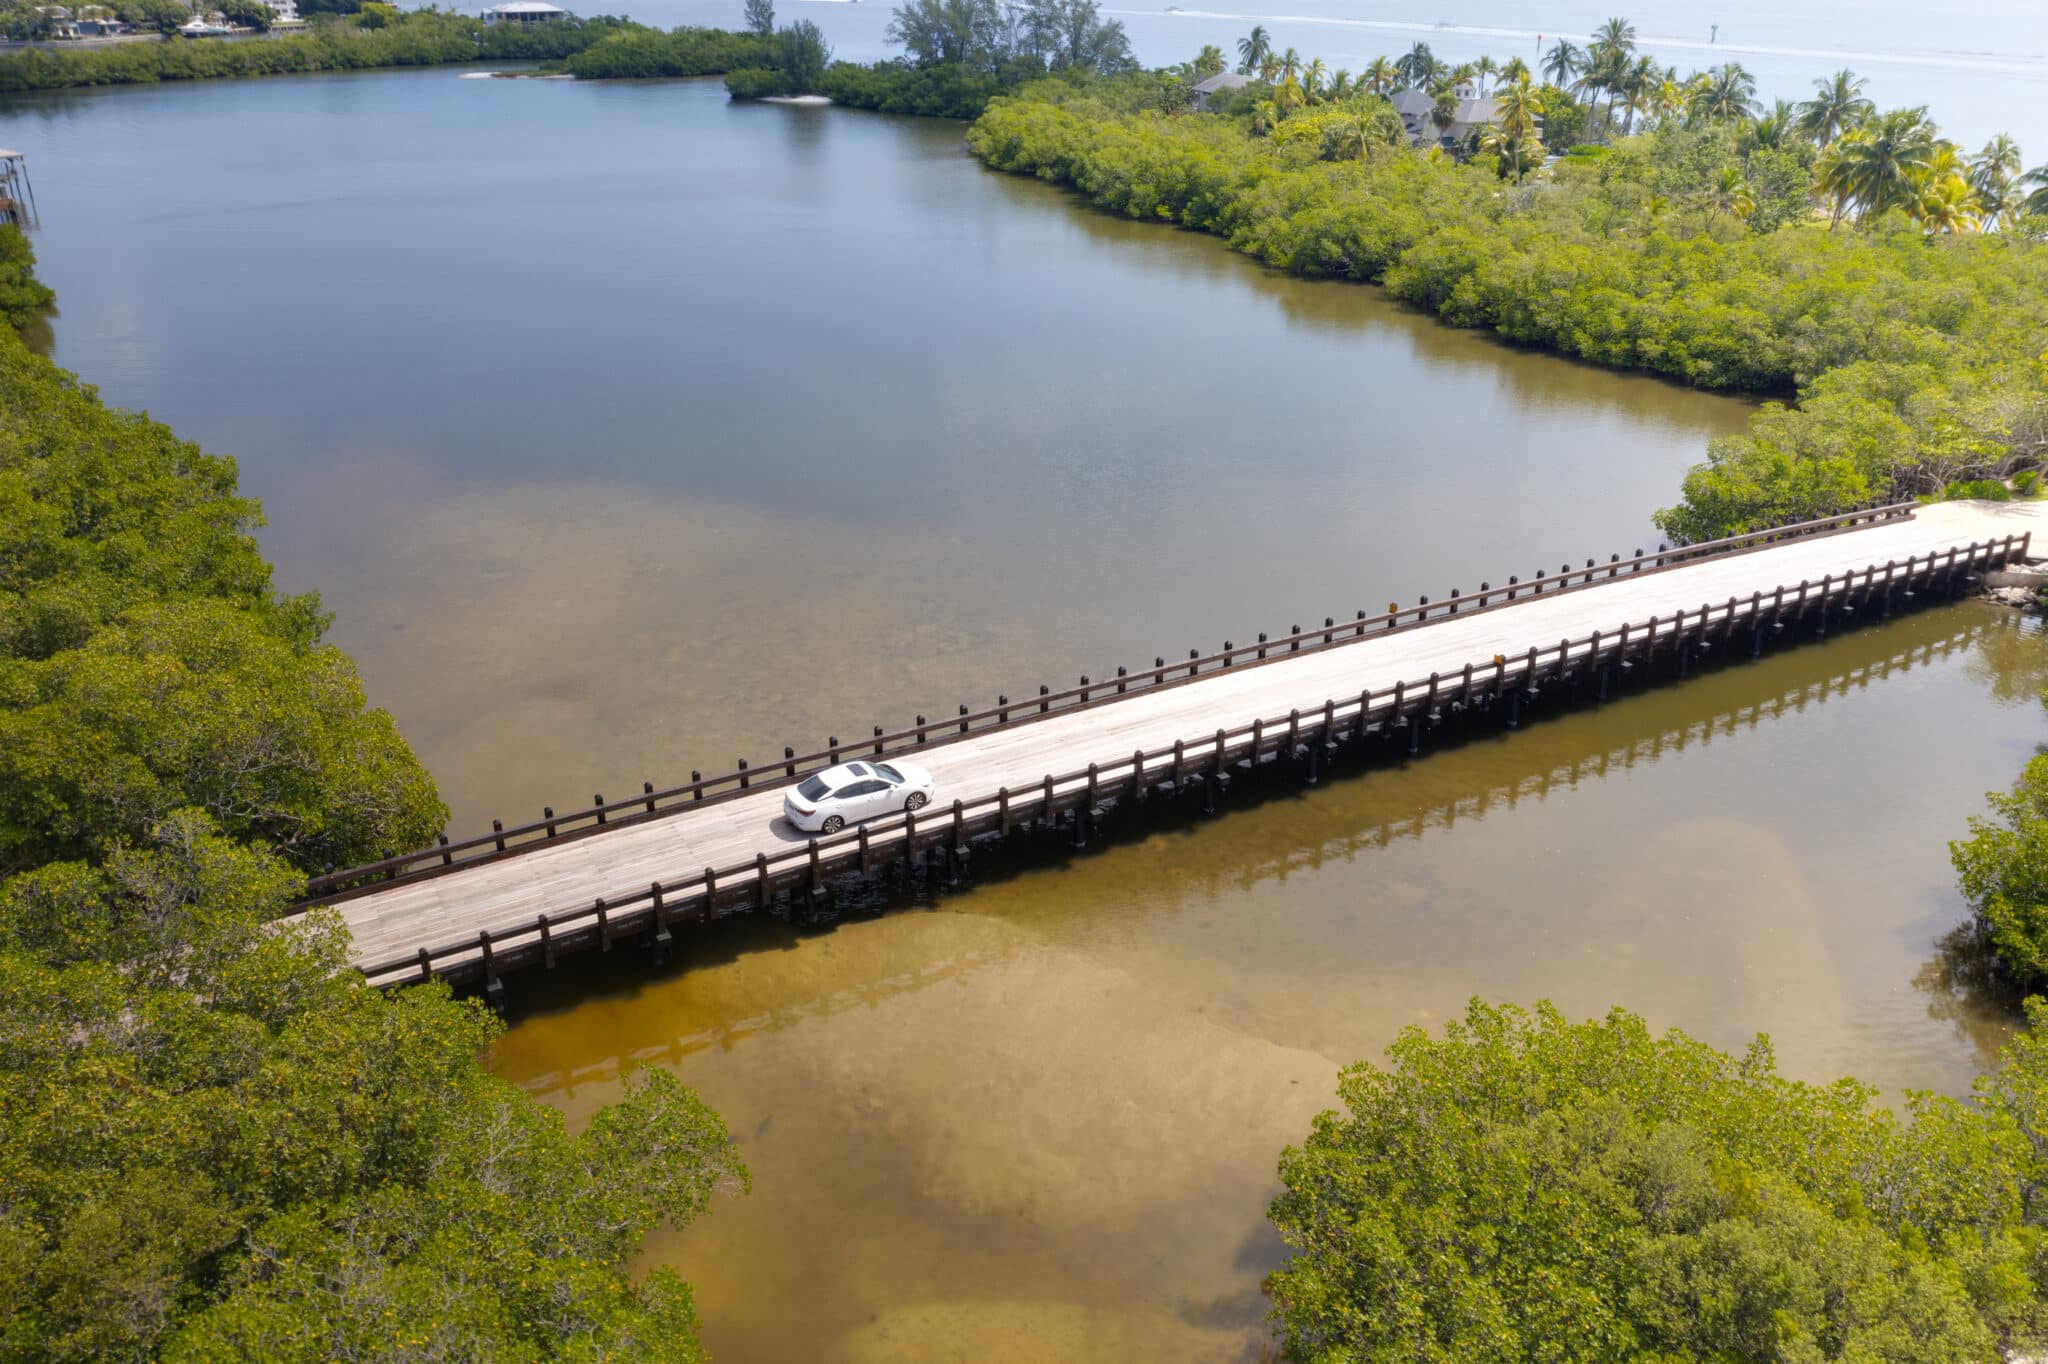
(636, 870)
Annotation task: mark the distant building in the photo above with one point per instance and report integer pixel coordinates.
(1222, 83)
(284, 12)
(1417, 107)
(525, 13)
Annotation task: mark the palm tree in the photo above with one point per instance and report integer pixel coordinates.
(1728, 96)
(1486, 69)
(1290, 65)
(1771, 131)
(1290, 95)
(1207, 62)
(1379, 77)
(1563, 63)
(1252, 50)
(2037, 201)
(1949, 206)
(1617, 35)
(1520, 110)
(1874, 167)
(1362, 131)
(1993, 173)
(1516, 72)
(1837, 106)
(1638, 89)
(1444, 112)
(1606, 70)
(1416, 65)
(1312, 78)
(1730, 193)
(1341, 86)
(1269, 68)
(1464, 73)
(1513, 157)
(1265, 116)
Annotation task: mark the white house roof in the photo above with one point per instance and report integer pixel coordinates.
(526, 7)
(1222, 80)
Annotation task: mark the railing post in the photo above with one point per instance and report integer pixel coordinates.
(745, 780)
(548, 814)
(647, 790)
(597, 802)
(788, 761)
(604, 925)
(547, 943)
(498, 829)
(447, 858)
(696, 784)
(963, 719)
(920, 729)
(761, 870)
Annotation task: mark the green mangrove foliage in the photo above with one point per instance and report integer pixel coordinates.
(1528, 1188)
(2003, 869)
(396, 38)
(1692, 250)
(23, 297)
(960, 53)
(216, 1142)
(796, 58)
(639, 53)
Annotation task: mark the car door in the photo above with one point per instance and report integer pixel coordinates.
(863, 800)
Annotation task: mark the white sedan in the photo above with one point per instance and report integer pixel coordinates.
(828, 801)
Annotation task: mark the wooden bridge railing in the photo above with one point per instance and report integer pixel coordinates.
(793, 766)
(696, 896)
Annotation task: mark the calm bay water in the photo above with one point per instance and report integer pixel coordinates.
(628, 431)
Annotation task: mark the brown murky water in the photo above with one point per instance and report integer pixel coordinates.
(665, 431)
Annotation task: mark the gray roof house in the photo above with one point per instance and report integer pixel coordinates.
(1222, 83)
(1415, 107)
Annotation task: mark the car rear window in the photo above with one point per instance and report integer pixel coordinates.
(814, 789)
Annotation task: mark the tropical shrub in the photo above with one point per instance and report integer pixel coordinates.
(1527, 1188)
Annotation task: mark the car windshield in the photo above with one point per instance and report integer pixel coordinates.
(883, 769)
(814, 789)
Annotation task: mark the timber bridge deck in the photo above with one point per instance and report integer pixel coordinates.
(640, 867)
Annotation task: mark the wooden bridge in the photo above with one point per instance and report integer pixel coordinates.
(639, 868)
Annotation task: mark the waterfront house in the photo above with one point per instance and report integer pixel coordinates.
(524, 13)
(1415, 107)
(1221, 85)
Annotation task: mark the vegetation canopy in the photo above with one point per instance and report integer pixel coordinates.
(1527, 1188)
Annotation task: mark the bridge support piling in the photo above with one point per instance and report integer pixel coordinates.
(494, 989)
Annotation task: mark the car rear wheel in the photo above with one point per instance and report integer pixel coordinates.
(832, 825)
(917, 801)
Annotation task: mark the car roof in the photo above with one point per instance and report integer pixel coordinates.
(836, 777)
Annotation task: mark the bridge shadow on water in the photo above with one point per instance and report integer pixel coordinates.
(1481, 770)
